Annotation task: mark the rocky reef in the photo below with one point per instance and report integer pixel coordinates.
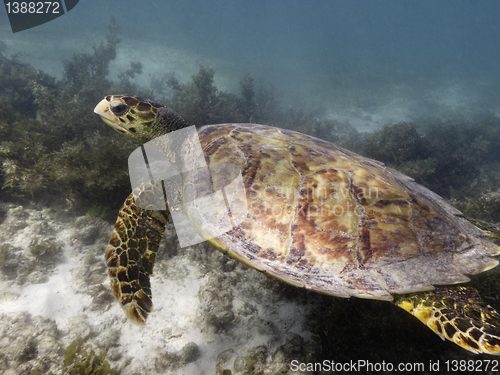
(211, 313)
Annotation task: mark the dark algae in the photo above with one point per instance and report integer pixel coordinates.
(80, 359)
(69, 153)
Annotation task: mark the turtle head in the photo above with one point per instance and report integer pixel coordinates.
(140, 119)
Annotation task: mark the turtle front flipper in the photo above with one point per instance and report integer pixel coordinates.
(458, 314)
(131, 253)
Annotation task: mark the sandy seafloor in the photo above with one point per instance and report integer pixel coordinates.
(208, 309)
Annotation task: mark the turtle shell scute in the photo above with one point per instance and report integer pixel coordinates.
(322, 217)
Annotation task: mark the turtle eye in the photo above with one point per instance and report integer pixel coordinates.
(118, 108)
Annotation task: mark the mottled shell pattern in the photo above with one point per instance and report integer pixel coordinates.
(324, 218)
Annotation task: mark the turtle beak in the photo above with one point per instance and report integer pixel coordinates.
(102, 109)
(119, 124)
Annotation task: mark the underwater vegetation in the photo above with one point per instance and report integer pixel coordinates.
(485, 206)
(201, 102)
(33, 161)
(98, 210)
(82, 360)
(44, 249)
(51, 144)
(69, 154)
(15, 78)
(458, 160)
(87, 71)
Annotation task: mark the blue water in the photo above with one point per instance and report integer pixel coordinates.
(405, 59)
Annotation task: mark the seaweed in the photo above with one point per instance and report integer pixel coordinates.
(455, 159)
(267, 101)
(86, 170)
(43, 250)
(300, 120)
(99, 210)
(173, 82)
(484, 206)
(200, 102)
(396, 143)
(15, 77)
(23, 151)
(52, 147)
(92, 169)
(467, 152)
(194, 100)
(248, 104)
(126, 76)
(80, 360)
(86, 70)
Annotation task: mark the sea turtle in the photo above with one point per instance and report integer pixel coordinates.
(318, 217)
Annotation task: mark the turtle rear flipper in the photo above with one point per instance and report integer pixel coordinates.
(458, 314)
(131, 254)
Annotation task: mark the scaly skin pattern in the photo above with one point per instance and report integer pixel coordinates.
(314, 215)
(131, 254)
(457, 314)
